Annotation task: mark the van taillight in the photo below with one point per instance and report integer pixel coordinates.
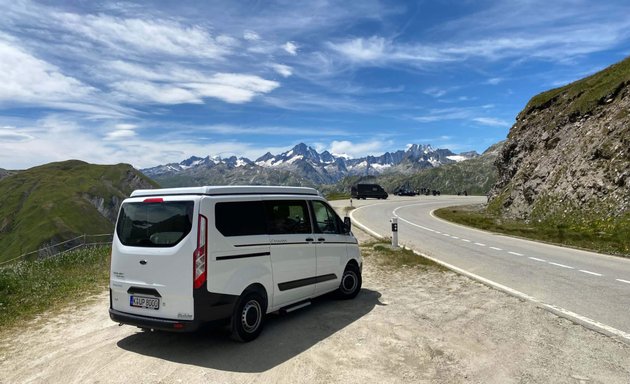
(201, 253)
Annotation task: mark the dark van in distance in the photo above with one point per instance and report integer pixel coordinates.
(363, 191)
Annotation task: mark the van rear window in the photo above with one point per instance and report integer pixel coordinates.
(154, 224)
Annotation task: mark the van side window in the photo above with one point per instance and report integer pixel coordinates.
(240, 218)
(326, 219)
(287, 217)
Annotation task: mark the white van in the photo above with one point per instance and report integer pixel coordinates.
(183, 257)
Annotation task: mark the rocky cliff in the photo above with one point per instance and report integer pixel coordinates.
(568, 155)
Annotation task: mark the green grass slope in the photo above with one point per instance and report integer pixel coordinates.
(586, 94)
(58, 201)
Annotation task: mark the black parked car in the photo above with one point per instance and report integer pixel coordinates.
(404, 192)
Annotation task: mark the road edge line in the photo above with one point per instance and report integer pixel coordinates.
(584, 321)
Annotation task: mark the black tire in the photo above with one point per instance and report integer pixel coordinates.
(249, 317)
(351, 281)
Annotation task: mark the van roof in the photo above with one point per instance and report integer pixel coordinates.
(228, 190)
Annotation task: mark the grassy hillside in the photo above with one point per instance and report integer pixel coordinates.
(5, 173)
(58, 201)
(28, 288)
(588, 93)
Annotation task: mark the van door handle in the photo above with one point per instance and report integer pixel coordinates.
(309, 239)
(321, 239)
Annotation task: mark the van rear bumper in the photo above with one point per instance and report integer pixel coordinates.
(210, 308)
(153, 322)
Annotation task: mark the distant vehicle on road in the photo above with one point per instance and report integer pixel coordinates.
(363, 191)
(404, 192)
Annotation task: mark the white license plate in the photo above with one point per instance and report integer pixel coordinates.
(144, 302)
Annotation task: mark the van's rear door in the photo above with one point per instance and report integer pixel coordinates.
(152, 257)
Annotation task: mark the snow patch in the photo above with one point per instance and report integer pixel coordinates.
(380, 167)
(457, 158)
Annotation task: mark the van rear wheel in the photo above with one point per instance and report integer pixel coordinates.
(350, 283)
(248, 317)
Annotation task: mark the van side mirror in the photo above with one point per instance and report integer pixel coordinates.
(347, 224)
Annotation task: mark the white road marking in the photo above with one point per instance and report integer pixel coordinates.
(561, 265)
(589, 323)
(516, 254)
(480, 244)
(445, 234)
(455, 237)
(438, 232)
(585, 321)
(537, 259)
(590, 273)
(468, 241)
(496, 249)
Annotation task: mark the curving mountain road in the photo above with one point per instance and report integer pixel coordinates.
(589, 288)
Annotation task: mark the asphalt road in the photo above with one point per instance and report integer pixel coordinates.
(589, 288)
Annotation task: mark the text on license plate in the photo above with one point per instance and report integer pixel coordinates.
(144, 302)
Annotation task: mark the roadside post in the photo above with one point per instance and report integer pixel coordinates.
(394, 221)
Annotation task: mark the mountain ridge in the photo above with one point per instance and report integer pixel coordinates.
(307, 166)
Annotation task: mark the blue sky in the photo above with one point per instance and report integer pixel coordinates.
(110, 82)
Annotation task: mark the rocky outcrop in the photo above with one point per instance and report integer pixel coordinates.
(569, 152)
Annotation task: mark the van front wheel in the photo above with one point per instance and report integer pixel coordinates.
(350, 283)
(248, 317)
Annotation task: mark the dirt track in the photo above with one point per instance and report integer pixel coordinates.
(407, 325)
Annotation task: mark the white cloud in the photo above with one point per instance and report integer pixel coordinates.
(463, 113)
(282, 69)
(227, 129)
(290, 47)
(144, 91)
(56, 138)
(492, 122)
(177, 85)
(25, 78)
(495, 80)
(377, 50)
(126, 126)
(120, 134)
(137, 35)
(371, 49)
(435, 92)
(233, 87)
(12, 135)
(251, 36)
(345, 147)
(122, 131)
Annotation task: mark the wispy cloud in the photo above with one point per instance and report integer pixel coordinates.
(504, 30)
(134, 35)
(291, 48)
(282, 69)
(475, 114)
(492, 122)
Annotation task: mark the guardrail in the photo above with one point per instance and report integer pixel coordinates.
(53, 250)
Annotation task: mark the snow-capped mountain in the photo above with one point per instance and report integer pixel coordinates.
(304, 165)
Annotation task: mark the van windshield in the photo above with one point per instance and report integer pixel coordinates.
(154, 224)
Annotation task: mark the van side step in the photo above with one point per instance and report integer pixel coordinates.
(296, 306)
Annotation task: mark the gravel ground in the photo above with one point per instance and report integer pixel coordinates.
(409, 324)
